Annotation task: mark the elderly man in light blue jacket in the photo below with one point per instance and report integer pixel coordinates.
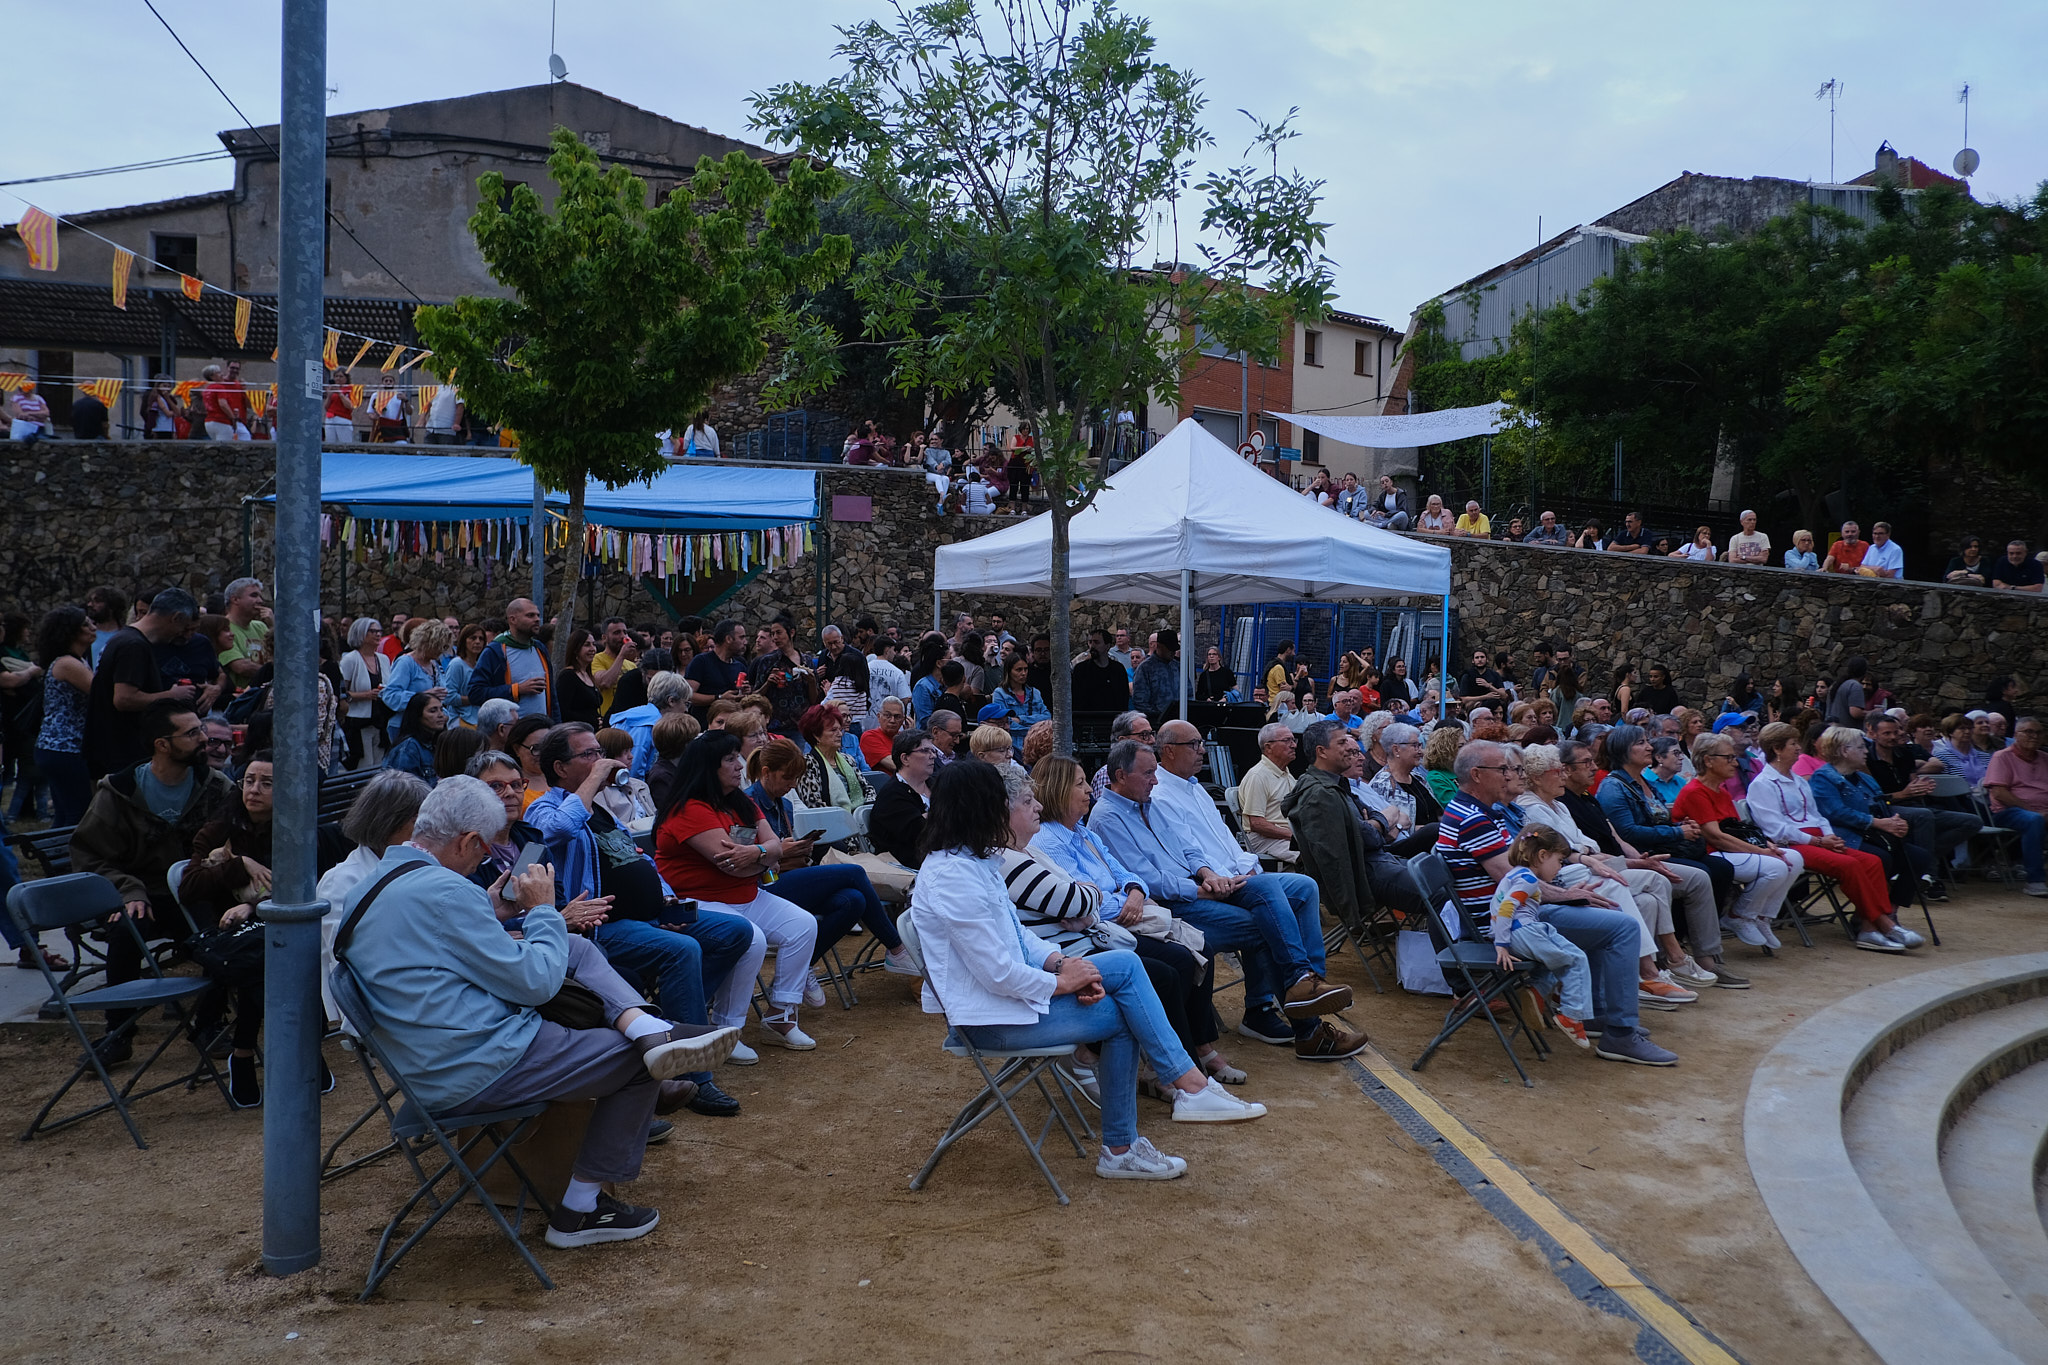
(454, 999)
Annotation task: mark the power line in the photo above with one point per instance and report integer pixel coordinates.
(332, 217)
(188, 159)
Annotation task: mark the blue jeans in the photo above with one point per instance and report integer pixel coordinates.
(840, 896)
(685, 968)
(1227, 929)
(1126, 1020)
(2030, 827)
(1609, 940)
(1288, 912)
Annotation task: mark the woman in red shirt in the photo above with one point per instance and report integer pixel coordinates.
(713, 846)
(340, 415)
(1763, 870)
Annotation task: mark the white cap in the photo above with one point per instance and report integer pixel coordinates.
(1975, 715)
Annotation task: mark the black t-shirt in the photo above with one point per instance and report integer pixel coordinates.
(1101, 686)
(1476, 682)
(631, 691)
(1627, 537)
(1894, 773)
(713, 677)
(189, 660)
(88, 418)
(577, 699)
(1592, 821)
(1982, 568)
(113, 739)
(2026, 573)
(1661, 701)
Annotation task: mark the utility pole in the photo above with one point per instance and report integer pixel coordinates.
(294, 1019)
(1831, 92)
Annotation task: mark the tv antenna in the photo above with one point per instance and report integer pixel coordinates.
(1832, 92)
(1967, 160)
(558, 70)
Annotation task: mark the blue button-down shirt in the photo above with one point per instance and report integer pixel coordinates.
(1080, 854)
(1155, 688)
(1149, 845)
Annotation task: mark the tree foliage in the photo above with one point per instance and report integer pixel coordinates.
(1033, 155)
(623, 318)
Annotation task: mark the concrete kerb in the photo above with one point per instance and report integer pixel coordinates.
(1793, 1137)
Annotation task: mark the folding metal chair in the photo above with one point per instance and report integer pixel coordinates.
(417, 1131)
(77, 899)
(1468, 957)
(2003, 840)
(1014, 1070)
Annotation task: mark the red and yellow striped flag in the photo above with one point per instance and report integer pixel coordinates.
(355, 395)
(242, 323)
(191, 286)
(39, 234)
(425, 396)
(108, 391)
(10, 380)
(333, 340)
(182, 390)
(259, 399)
(361, 351)
(124, 261)
(392, 359)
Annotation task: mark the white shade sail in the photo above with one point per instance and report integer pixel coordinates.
(1193, 504)
(1402, 433)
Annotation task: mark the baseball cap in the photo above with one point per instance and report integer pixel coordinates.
(1731, 719)
(991, 712)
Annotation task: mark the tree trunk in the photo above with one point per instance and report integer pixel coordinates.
(572, 572)
(1061, 630)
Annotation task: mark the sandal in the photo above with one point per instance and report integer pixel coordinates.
(1215, 1065)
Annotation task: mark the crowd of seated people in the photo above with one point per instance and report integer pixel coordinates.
(659, 788)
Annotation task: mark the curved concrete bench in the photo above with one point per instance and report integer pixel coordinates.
(1793, 1133)
(1992, 1162)
(1892, 1130)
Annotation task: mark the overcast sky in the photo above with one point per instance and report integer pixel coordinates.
(1443, 131)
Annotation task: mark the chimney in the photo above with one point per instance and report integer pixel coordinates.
(1888, 163)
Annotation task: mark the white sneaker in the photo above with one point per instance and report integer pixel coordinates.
(899, 963)
(1213, 1104)
(814, 992)
(1141, 1161)
(1770, 937)
(2037, 888)
(742, 1055)
(1870, 940)
(1691, 973)
(1747, 931)
(1904, 937)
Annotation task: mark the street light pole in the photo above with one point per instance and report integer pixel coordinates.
(294, 1019)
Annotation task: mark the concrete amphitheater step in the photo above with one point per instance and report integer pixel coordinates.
(1892, 1129)
(1992, 1161)
(1793, 1133)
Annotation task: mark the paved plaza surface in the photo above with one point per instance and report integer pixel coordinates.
(1322, 1232)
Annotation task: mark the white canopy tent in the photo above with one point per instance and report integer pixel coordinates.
(1191, 522)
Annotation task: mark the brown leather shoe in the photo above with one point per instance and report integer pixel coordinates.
(1312, 996)
(674, 1095)
(1330, 1043)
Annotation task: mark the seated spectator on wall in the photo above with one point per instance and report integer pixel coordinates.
(2016, 780)
(1749, 545)
(1435, 520)
(1547, 532)
(1883, 559)
(1631, 539)
(1516, 530)
(1846, 555)
(1784, 807)
(1700, 549)
(455, 1000)
(1473, 523)
(1968, 569)
(1389, 507)
(1801, 557)
(1588, 537)
(1261, 792)
(2018, 571)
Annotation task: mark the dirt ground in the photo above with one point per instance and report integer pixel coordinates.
(1321, 1232)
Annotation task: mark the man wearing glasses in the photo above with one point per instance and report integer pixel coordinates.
(1474, 845)
(1260, 792)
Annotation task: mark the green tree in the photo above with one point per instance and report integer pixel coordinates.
(623, 318)
(1042, 149)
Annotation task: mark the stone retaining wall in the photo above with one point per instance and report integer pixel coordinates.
(140, 514)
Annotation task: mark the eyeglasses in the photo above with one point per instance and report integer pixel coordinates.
(506, 788)
(925, 753)
(586, 753)
(1491, 768)
(1183, 743)
(259, 784)
(220, 743)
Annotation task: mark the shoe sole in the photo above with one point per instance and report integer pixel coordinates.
(1246, 1117)
(1880, 947)
(1333, 1000)
(751, 1059)
(683, 1055)
(1624, 1057)
(1333, 1056)
(1725, 985)
(1663, 1002)
(732, 1113)
(595, 1236)
(1175, 1174)
(771, 1038)
(1268, 1039)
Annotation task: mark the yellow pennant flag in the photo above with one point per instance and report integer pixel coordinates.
(191, 286)
(124, 261)
(425, 396)
(392, 359)
(259, 400)
(361, 351)
(10, 380)
(241, 322)
(39, 234)
(355, 395)
(333, 339)
(414, 361)
(108, 391)
(182, 391)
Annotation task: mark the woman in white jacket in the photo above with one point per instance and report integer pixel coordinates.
(1004, 988)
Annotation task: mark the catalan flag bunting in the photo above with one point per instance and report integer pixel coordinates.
(124, 262)
(333, 340)
(414, 361)
(355, 395)
(39, 234)
(392, 359)
(191, 287)
(361, 351)
(182, 390)
(425, 397)
(108, 391)
(241, 322)
(259, 399)
(10, 380)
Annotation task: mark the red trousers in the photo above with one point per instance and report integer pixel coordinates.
(1860, 873)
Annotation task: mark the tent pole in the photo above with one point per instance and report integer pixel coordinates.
(536, 528)
(1443, 665)
(1187, 638)
(937, 610)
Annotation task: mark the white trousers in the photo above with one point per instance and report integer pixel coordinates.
(340, 430)
(793, 931)
(1764, 881)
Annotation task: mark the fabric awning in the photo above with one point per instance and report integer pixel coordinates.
(1401, 433)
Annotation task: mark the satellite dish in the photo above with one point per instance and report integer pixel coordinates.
(1966, 162)
(557, 68)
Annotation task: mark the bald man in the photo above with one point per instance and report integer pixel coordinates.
(515, 665)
